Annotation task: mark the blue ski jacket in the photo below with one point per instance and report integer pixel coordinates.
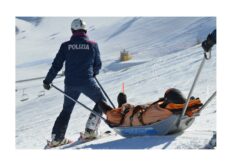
(81, 57)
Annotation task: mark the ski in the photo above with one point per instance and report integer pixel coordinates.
(48, 145)
(80, 141)
(77, 142)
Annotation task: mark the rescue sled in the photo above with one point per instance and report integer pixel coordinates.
(170, 125)
(173, 124)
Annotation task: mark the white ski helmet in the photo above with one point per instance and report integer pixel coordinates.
(78, 24)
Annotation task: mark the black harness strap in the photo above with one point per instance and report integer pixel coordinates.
(123, 113)
(140, 110)
(135, 110)
(140, 116)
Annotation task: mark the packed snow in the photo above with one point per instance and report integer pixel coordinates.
(166, 53)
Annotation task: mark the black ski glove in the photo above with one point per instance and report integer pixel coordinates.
(121, 99)
(207, 44)
(95, 74)
(46, 85)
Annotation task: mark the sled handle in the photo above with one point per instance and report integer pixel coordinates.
(207, 56)
(208, 101)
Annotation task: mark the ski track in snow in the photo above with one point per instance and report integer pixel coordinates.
(146, 78)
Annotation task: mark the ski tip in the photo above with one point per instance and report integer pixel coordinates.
(47, 144)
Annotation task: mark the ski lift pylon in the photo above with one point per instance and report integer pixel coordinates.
(24, 95)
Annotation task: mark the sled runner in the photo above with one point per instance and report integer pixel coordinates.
(164, 127)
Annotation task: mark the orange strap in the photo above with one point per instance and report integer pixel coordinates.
(192, 103)
(193, 106)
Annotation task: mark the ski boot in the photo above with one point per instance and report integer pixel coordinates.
(53, 143)
(88, 135)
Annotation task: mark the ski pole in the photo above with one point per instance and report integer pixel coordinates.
(193, 86)
(76, 101)
(104, 92)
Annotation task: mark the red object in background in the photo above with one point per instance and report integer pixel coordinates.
(123, 87)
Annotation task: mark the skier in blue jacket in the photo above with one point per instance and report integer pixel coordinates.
(210, 41)
(82, 64)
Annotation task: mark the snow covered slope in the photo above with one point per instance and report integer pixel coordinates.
(166, 53)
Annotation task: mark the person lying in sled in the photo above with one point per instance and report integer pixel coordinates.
(130, 115)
